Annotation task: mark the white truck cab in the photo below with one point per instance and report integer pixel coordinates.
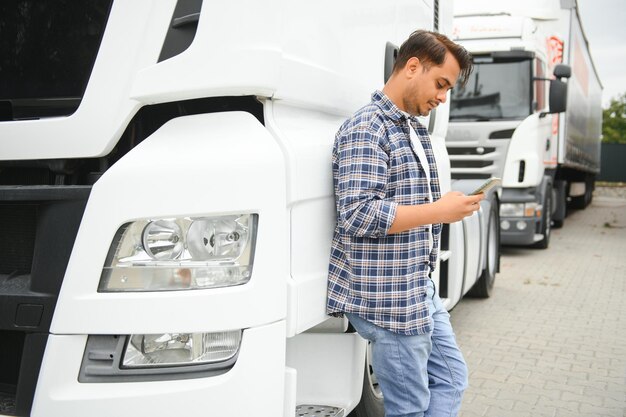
(166, 204)
(530, 113)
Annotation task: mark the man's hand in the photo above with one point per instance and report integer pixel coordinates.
(455, 205)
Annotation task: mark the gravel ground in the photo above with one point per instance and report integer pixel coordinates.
(616, 191)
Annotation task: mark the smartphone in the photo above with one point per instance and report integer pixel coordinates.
(487, 185)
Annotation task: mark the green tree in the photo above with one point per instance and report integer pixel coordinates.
(614, 121)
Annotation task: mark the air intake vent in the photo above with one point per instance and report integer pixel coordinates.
(470, 164)
(502, 134)
(470, 176)
(182, 28)
(469, 151)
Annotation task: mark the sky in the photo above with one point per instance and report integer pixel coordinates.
(604, 24)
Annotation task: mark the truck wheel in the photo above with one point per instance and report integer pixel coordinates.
(483, 287)
(589, 191)
(546, 228)
(560, 204)
(371, 404)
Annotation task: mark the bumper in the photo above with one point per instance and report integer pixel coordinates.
(518, 230)
(254, 386)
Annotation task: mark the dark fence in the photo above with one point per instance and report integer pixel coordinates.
(613, 162)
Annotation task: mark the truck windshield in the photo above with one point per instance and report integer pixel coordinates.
(47, 50)
(494, 91)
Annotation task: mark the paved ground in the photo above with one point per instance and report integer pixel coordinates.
(552, 339)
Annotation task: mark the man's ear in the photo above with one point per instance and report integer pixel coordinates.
(412, 67)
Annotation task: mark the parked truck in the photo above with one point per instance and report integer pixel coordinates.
(166, 204)
(531, 113)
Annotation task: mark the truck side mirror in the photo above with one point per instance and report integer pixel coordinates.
(558, 96)
(558, 89)
(391, 53)
(562, 71)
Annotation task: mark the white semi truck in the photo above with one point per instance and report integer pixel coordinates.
(166, 204)
(518, 120)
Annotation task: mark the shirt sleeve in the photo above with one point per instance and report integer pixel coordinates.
(360, 165)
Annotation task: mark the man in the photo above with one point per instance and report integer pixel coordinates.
(389, 215)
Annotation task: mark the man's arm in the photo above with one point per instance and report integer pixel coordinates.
(360, 167)
(452, 207)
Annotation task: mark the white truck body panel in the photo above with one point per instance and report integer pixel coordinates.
(537, 9)
(279, 61)
(531, 152)
(263, 349)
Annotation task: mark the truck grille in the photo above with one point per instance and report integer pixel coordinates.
(38, 226)
(469, 151)
(470, 164)
(17, 226)
(473, 162)
(478, 150)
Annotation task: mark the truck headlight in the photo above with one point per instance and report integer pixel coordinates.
(519, 209)
(177, 349)
(181, 253)
(512, 210)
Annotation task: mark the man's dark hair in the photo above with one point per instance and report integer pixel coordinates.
(431, 48)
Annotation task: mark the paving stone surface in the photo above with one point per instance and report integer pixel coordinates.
(551, 341)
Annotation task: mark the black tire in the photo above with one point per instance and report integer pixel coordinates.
(484, 286)
(589, 191)
(371, 404)
(560, 211)
(546, 226)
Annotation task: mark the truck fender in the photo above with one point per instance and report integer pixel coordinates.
(207, 164)
(545, 187)
(528, 146)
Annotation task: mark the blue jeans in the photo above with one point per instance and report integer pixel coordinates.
(421, 375)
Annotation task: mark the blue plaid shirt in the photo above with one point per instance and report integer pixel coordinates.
(380, 277)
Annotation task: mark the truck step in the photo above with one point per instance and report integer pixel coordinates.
(306, 410)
